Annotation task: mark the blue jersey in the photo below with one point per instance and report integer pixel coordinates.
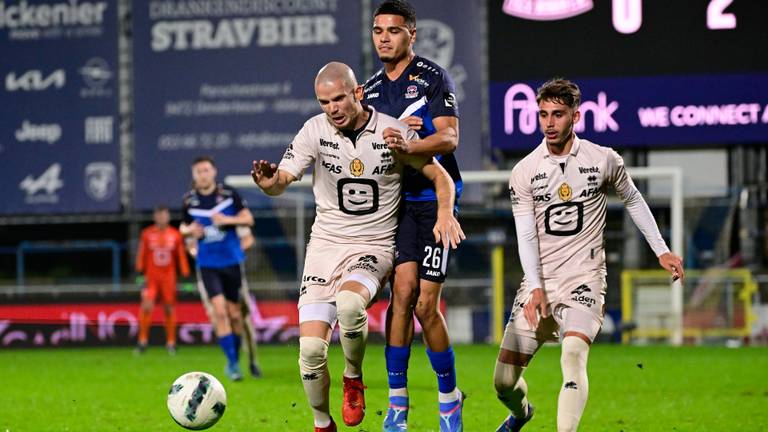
(220, 247)
(424, 89)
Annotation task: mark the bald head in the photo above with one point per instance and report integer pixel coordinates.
(339, 96)
(335, 73)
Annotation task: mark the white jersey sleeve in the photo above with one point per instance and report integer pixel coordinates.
(636, 206)
(300, 154)
(525, 225)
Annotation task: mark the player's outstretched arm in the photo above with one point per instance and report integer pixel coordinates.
(269, 178)
(447, 229)
(641, 215)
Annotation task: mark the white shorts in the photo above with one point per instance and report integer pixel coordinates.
(576, 304)
(329, 265)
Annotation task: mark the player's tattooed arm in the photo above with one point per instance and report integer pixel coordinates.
(269, 178)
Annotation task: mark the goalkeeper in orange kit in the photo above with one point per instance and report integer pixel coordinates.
(161, 250)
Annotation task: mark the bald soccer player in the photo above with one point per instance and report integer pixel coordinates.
(357, 185)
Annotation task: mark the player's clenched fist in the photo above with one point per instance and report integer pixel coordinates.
(395, 141)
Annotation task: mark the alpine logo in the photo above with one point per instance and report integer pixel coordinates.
(48, 182)
(35, 80)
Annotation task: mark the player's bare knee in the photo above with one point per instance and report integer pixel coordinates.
(406, 283)
(427, 310)
(403, 299)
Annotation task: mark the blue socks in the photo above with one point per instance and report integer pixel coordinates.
(228, 345)
(444, 365)
(397, 365)
(238, 343)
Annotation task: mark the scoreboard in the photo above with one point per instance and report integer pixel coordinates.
(653, 73)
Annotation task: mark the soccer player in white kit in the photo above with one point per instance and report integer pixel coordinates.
(357, 187)
(558, 194)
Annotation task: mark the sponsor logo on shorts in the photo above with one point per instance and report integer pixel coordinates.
(581, 290)
(584, 300)
(317, 279)
(364, 263)
(434, 273)
(368, 259)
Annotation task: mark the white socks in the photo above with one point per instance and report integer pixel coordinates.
(353, 330)
(313, 364)
(575, 389)
(511, 388)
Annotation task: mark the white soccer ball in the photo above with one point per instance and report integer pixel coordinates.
(197, 400)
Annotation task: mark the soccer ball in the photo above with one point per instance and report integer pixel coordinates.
(197, 400)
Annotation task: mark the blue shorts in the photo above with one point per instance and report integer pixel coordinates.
(416, 242)
(223, 280)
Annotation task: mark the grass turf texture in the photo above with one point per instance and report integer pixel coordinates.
(631, 389)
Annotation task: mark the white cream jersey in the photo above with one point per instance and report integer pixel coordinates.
(357, 187)
(568, 202)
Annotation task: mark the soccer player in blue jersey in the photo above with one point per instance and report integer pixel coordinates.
(211, 213)
(420, 93)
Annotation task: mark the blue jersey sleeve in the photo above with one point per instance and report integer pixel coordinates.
(238, 202)
(185, 216)
(441, 97)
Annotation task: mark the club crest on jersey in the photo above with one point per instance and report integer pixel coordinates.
(411, 92)
(356, 167)
(565, 192)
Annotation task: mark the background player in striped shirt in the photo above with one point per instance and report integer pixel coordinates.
(161, 251)
(422, 94)
(558, 195)
(357, 185)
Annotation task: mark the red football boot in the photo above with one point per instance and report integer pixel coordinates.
(353, 409)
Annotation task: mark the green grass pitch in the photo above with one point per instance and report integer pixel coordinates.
(631, 389)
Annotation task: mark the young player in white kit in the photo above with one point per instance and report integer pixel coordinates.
(558, 195)
(357, 188)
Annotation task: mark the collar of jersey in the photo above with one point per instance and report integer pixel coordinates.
(369, 127)
(574, 148)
